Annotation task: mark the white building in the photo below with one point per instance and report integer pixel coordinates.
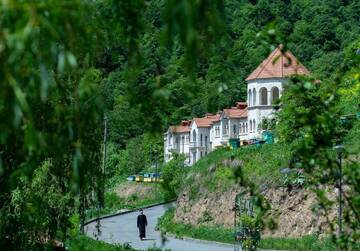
(198, 137)
(265, 85)
(200, 129)
(177, 140)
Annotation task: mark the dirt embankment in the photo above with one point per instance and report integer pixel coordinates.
(140, 190)
(295, 211)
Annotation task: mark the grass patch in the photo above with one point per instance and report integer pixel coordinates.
(167, 224)
(220, 234)
(260, 164)
(82, 242)
(306, 243)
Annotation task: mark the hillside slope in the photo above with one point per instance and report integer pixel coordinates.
(210, 189)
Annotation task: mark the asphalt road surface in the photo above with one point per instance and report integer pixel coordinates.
(122, 229)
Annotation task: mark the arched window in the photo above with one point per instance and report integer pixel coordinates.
(254, 125)
(194, 136)
(274, 94)
(254, 96)
(263, 96)
(249, 98)
(250, 125)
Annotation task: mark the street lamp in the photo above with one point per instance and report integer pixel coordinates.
(339, 151)
(156, 173)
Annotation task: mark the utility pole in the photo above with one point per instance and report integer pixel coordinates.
(105, 141)
(339, 150)
(156, 171)
(340, 195)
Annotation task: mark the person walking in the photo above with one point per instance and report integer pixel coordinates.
(141, 224)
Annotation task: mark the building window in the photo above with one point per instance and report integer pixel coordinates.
(201, 140)
(226, 127)
(201, 154)
(187, 138)
(254, 97)
(194, 137)
(249, 98)
(246, 127)
(217, 131)
(234, 129)
(254, 125)
(274, 94)
(206, 138)
(251, 126)
(263, 96)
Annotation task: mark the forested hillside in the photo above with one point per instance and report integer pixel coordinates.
(315, 31)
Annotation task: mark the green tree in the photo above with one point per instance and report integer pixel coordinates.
(173, 174)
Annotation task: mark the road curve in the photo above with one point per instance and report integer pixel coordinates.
(122, 229)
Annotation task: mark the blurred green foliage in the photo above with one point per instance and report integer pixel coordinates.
(173, 173)
(144, 64)
(314, 117)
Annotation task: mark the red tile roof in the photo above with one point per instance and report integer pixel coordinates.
(236, 113)
(278, 65)
(179, 129)
(206, 121)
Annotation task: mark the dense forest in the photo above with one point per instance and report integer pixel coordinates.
(66, 65)
(171, 87)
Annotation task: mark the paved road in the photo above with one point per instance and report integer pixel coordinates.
(122, 229)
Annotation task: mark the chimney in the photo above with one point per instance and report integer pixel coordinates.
(241, 105)
(185, 122)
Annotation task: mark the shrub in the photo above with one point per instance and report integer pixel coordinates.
(174, 174)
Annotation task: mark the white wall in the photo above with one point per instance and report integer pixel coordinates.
(243, 132)
(256, 111)
(176, 142)
(215, 139)
(232, 123)
(201, 146)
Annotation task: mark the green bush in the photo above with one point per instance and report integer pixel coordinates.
(33, 206)
(173, 174)
(251, 232)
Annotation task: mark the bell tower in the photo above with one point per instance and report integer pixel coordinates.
(265, 86)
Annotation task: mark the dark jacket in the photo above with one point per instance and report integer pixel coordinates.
(141, 224)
